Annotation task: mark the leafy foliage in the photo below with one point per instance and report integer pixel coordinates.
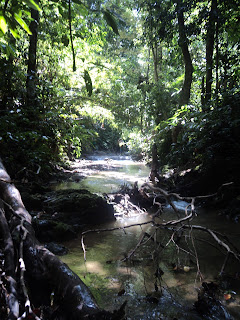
(128, 79)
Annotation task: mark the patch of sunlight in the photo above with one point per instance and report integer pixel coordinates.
(127, 271)
(114, 285)
(94, 267)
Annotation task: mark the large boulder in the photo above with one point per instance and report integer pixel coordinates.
(61, 215)
(78, 207)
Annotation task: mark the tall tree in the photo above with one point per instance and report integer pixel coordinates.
(32, 59)
(183, 43)
(211, 30)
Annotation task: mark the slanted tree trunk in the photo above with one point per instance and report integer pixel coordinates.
(41, 272)
(183, 43)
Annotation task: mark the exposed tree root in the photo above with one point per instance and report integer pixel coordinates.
(37, 282)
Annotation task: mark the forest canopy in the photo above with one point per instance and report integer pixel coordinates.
(156, 80)
(82, 76)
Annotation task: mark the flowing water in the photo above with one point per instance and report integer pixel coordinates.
(113, 280)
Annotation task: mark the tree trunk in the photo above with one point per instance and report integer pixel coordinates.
(154, 175)
(70, 32)
(183, 43)
(32, 60)
(157, 57)
(42, 273)
(209, 49)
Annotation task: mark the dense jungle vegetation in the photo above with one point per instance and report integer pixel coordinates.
(158, 80)
(83, 76)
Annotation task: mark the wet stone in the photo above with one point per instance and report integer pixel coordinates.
(77, 207)
(56, 248)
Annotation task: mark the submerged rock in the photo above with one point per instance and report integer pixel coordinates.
(209, 305)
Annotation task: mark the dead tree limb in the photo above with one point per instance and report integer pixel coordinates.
(182, 223)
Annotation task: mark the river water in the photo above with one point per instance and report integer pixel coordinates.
(113, 280)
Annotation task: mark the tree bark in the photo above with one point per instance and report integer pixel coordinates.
(70, 32)
(154, 166)
(209, 49)
(183, 43)
(32, 60)
(157, 57)
(45, 274)
(9, 266)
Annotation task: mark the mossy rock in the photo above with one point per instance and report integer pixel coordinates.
(32, 201)
(47, 229)
(76, 207)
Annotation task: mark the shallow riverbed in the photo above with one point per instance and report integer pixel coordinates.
(113, 280)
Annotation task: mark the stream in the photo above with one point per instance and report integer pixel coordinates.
(113, 280)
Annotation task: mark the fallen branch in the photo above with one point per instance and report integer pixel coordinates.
(217, 239)
(184, 223)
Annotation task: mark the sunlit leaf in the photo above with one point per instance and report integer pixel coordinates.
(88, 82)
(32, 4)
(15, 33)
(110, 21)
(22, 23)
(3, 44)
(3, 24)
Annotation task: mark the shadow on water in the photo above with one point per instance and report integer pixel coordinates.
(113, 280)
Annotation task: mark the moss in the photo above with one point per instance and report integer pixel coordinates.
(62, 227)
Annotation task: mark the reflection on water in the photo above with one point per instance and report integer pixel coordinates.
(113, 280)
(113, 175)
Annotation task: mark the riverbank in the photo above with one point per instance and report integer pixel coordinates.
(164, 256)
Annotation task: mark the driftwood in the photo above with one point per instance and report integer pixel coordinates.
(46, 283)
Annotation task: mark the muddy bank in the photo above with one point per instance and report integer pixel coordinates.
(224, 181)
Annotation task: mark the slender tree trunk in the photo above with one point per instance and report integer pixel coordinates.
(70, 31)
(154, 166)
(217, 56)
(209, 49)
(183, 42)
(157, 55)
(203, 92)
(32, 60)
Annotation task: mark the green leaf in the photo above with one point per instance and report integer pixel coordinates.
(3, 24)
(14, 33)
(10, 50)
(22, 23)
(88, 82)
(32, 4)
(65, 40)
(110, 21)
(78, 2)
